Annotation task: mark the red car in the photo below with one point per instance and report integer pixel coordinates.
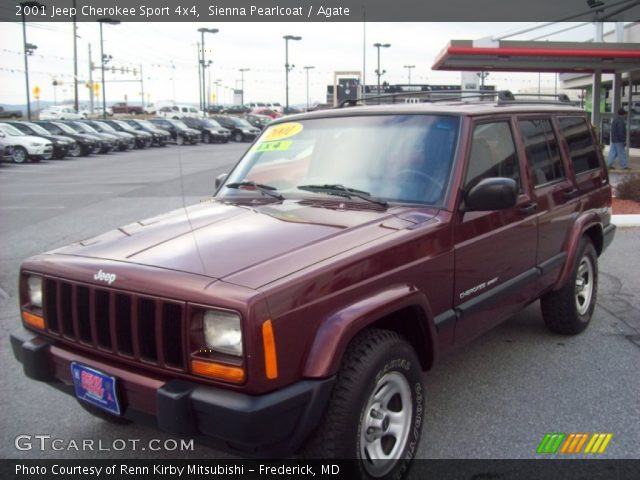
(345, 253)
(268, 112)
(126, 108)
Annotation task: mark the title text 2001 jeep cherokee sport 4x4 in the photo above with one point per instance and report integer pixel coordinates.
(344, 253)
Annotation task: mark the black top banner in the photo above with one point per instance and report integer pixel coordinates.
(318, 10)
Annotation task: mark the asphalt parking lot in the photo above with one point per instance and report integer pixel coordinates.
(496, 398)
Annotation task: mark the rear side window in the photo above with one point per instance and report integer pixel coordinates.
(493, 154)
(542, 150)
(581, 147)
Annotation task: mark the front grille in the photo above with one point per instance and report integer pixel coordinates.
(133, 326)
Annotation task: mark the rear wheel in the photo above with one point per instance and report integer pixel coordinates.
(20, 155)
(75, 151)
(238, 137)
(179, 140)
(375, 413)
(206, 138)
(568, 311)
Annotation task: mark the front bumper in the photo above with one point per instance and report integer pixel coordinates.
(275, 423)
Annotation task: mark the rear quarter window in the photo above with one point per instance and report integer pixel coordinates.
(582, 147)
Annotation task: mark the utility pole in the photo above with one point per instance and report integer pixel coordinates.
(90, 82)
(142, 87)
(482, 76)
(379, 72)
(200, 65)
(307, 68)
(28, 50)
(287, 67)
(204, 65)
(409, 67)
(75, 60)
(242, 70)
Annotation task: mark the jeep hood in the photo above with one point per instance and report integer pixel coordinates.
(220, 240)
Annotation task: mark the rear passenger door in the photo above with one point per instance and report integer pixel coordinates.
(495, 251)
(554, 193)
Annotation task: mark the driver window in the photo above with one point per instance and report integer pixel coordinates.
(493, 154)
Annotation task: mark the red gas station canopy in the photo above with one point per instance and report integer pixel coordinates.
(517, 56)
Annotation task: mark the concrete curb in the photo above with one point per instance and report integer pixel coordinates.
(626, 220)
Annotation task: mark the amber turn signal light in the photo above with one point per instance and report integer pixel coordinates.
(270, 358)
(217, 371)
(35, 321)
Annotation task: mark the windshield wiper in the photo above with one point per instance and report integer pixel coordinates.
(341, 190)
(264, 189)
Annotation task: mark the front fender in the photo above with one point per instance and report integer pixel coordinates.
(335, 333)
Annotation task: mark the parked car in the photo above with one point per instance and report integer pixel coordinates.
(108, 143)
(176, 112)
(25, 147)
(59, 112)
(62, 146)
(268, 112)
(88, 143)
(150, 109)
(10, 113)
(6, 150)
(290, 110)
(237, 109)
(210, 130)
(158, 136)
(124, 107)
(258, 121)
(85, 112)
(241, 130)
(346, 253)
(255, 105)
(142, 139)
(125, 140)
(180, 133)
(215, 109)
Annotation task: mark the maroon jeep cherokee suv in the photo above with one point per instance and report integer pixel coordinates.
(345, 252)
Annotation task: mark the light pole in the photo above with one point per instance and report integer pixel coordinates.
(409, 67)
(287, 67)
(379, 72)
(103, 60)
(75, 60)
(482, 76)
(28, 50)
(242, 70)
(205, 65)
(307, 68)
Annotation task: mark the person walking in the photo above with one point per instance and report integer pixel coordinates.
(618, 141)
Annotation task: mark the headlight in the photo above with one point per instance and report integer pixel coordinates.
(34, 288)
(222, 332)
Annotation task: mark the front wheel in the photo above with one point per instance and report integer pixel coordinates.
(179, 140)
(206, 138)
(238, 137)
(568, 311)
(376, 409)
(20, 155)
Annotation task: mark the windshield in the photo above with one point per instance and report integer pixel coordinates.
(65, 128)
(105, 127)
(398, 158)
(11, 130)
(37, 128)
(180, 124)
(240, 122)
(147, 124)
(85, 128)
(210, 123)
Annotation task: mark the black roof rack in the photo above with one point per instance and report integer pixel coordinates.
(502, 97)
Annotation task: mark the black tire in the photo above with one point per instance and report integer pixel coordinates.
(238, 137)
(568, 311)
(179, 140)
(20, 155)
(359, 415)
(206, 138)
(102, 415)
(76, 151)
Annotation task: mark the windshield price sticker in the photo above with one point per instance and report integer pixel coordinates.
(273, 146)
(284, 130)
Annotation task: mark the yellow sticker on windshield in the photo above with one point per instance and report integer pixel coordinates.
(284, 130)
(273, 146)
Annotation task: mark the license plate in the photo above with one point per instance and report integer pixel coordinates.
(95, 387)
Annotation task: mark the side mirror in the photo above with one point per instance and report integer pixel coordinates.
(220, 179)
(496, 193)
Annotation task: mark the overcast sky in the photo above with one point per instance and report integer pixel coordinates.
(168, 55)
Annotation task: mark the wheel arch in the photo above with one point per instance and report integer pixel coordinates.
(401, 308)
(588, 225)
